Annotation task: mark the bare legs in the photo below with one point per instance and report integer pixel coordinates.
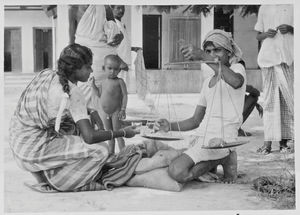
(112, 123)
(249, 104)
(183, 169)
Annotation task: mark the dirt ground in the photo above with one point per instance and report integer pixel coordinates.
(195, 197)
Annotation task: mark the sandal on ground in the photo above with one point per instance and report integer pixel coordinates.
(243, 133)
(285, 149)
(40, 187)
(264, 150)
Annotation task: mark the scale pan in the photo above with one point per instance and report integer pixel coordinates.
(227, 145)
(162, 137)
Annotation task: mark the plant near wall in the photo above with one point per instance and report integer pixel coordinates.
(245, 10)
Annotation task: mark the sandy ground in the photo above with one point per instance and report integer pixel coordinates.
(196, 196)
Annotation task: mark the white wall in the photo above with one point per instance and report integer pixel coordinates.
(27, 20)
(62, 28)
(245, 37)
(207, 24)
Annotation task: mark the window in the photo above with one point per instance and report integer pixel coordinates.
(188, 29)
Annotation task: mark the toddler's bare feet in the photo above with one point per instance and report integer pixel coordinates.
(230, 168)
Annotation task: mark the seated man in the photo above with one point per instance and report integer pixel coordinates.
(251, 99)
(250, 102)
(218, 114)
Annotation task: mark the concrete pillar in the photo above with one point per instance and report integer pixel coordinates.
(27, 49)
(137, 26)
(62, 29)
(207, 24)
(136, 34)
(245, 36)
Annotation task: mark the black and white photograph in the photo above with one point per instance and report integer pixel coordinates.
(136, 107)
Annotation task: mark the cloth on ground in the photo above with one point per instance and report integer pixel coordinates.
(155, 179)
(161, 158)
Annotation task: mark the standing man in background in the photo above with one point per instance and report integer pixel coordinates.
(276, 60)
(124, 48)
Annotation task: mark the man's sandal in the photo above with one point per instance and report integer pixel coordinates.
(264, 150)
(286, 149)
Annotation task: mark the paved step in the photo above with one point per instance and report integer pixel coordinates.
(17, 79)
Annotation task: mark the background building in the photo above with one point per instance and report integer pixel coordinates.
(34, 37)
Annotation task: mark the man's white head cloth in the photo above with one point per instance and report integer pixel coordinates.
(224, 39)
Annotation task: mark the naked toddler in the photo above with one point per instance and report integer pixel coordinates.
(113, 98)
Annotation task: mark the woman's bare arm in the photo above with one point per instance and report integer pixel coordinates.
(91, 136)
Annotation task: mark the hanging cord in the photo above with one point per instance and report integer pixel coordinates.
(168, 102)
(177, 144)
(156, 101)
(220, 76)
(209, 114)
(233, 104)
(157, 106)
(176, 118)
(154, 109)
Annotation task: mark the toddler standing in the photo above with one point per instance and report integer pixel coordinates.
(113, 98)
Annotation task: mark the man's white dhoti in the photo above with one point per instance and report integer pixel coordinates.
(278, 82)
(90, 33)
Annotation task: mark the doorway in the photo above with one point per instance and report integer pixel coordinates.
(42, 41)
(12, 50)
(223, 21)
(152, 41)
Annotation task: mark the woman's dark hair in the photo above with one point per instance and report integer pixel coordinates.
(72, 57)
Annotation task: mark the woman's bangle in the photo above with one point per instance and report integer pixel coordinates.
(124, 132)
(112, 134)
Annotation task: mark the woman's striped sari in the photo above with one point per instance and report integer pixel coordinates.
(68, 163)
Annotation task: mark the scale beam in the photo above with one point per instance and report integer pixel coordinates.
(192, 62)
